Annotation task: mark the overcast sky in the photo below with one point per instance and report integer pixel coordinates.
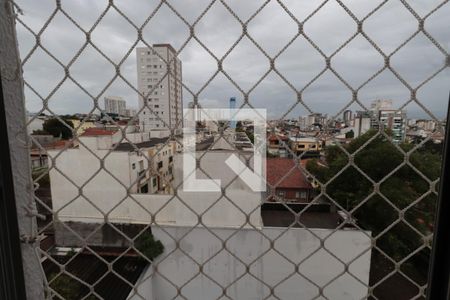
(272, 28)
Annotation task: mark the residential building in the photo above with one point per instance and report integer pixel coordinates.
(125, 188)
(362, 123)
(394, 120)
(159, 76)
(82, 125)
(38, 153)
(384, 114)
(428, 125)
(128, 169)
(130, 112)
(348, 117)
(237, 216)
(287, 182)
(277, 145)
(299, 145)
(160, 171)
(115, 105)
(381, 104)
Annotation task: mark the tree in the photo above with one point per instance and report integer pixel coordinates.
(147, 244)
(66, 286)
(56, 128)
(350, 134)
(402, 188)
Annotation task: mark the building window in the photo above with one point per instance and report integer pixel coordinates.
(144, 189)
(300, 195)
(133, 166)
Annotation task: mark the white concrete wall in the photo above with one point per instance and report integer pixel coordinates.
(36, 124)
(137, 137)
(143, 285)
(109, 196)
(361, 125)
(98, 186)
(296, 244)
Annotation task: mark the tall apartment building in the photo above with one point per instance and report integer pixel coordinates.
(362, 122)
(396, 121)
(160, 90)
(348, 117)
(390, 118)
(115, 105)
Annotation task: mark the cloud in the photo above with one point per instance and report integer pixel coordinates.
(272, 28)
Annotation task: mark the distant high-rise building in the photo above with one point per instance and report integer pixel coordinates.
(130, 112)
(348, 116)
(362, 122)
(384, 114)
(115, 105)
(394, 120)
(381, 105)
(233, 106)
(160, 88)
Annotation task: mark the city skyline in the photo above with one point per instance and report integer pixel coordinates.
(245, 64)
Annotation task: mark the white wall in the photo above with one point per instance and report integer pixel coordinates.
(109, 196)
(296, 244)
(143, 285)
(36, 124)
(361, 125)
(98, 186)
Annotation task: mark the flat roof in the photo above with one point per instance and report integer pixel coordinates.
(304, 139)
(166, 46)
(316, 216)
(128, 147)
(93, 131)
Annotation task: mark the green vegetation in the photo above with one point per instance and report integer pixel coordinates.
(69, 288)
(251, 137)
(403, 189)
(56, 128)
(150, 247)
(350, 134)
(40, 132)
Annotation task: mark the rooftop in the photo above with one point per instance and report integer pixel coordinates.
(277, 168)
(276, 137)
(316, 216)
(98, 132)
(303, 139)
(128, 147)
(166, 46)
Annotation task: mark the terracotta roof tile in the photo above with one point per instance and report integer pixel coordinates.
(272, 137)
(277, 168)
(97, 132)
